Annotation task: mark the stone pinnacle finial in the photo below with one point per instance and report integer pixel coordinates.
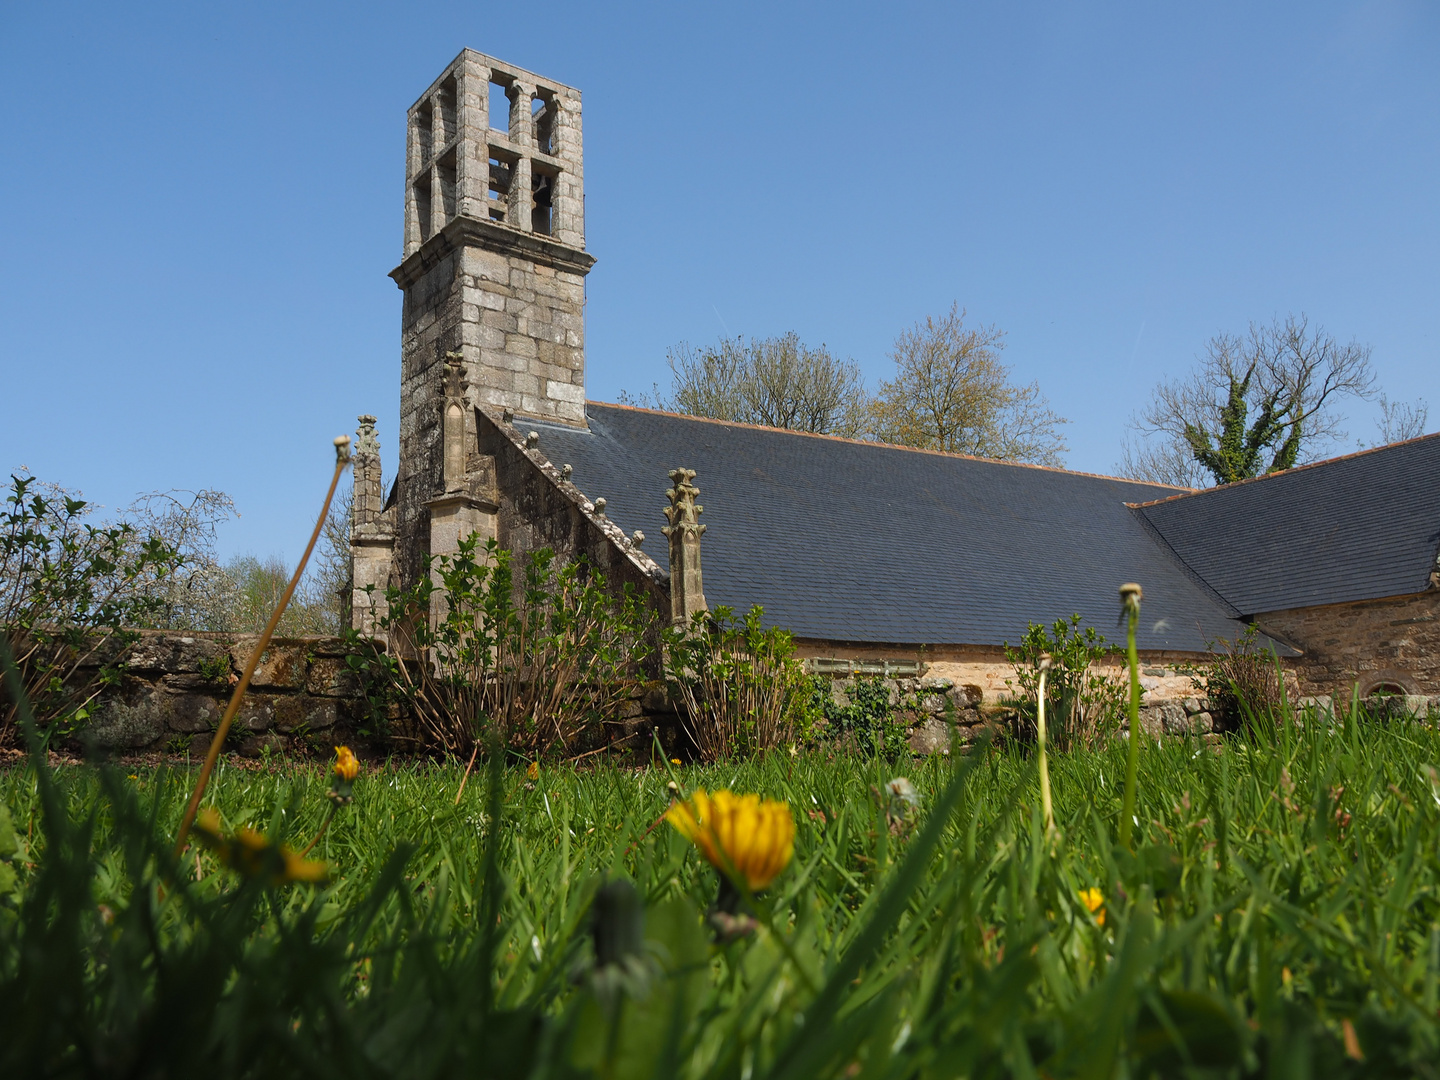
(687, 595)
(366, 440)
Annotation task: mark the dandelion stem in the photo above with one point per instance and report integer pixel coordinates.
(323, 826)
(1040, 738)
(1130, 595)
(342, 459)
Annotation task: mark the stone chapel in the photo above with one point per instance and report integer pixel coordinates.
(879, 559)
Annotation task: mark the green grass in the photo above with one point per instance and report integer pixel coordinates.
(1279, 916)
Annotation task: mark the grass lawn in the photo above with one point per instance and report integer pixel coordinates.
(1279, 915)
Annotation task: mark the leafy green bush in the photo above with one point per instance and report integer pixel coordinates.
(537, 656)
(68, 590)
(1081, 703)
(740, 689)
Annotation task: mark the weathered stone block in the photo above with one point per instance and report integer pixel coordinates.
(172, 654)
(192, 712)
(132, 725)
(331, 677)
(931, 737)
(300, 712)
(281, 666)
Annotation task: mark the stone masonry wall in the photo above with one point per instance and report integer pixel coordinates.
(967, 685)
(176, 685)
(1391, 643)
(302, 699)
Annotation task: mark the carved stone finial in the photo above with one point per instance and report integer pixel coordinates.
(600, 507)
(637, 538)
(565, 471)
(507, 416)
(369, 499)
(366, 441)
(687, 595)
(455, 381)
(532, 440)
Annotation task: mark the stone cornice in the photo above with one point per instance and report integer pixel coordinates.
(451, 499)
(502, 239)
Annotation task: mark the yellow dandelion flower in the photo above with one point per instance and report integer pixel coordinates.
(533, 772)
(347, 766)
(741, 835)
(251, 855)
(675, 761)
(1094, 901)
(342, 776)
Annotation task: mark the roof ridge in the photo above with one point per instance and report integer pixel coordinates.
(1286, 472)
(897, 446)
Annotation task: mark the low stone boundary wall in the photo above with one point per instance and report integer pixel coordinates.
(303, 698)
(929, 706)
(175, 688)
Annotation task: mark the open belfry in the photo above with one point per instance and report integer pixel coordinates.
(909, 565)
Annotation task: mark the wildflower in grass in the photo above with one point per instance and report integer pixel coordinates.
(901, 802)
(1094, 901)
(251, 855)
(675, 761)
(342, 776)
(533, 772)
(902, 791)
(745, 837)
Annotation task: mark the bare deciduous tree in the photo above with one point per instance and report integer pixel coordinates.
(198, 594)
(1254, 404)
(1401, 420)
(951, 392)
(779, 382)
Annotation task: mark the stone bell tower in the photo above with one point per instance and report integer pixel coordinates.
(493, 277)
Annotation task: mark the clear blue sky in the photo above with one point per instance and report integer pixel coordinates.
(199, 205)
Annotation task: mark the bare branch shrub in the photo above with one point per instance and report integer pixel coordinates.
(1243, 680)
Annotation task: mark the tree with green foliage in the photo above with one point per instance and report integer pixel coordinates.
(1254, 404)
(951, 392)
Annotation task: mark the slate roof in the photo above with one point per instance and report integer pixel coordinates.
(1352, 528)
(864, 542)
